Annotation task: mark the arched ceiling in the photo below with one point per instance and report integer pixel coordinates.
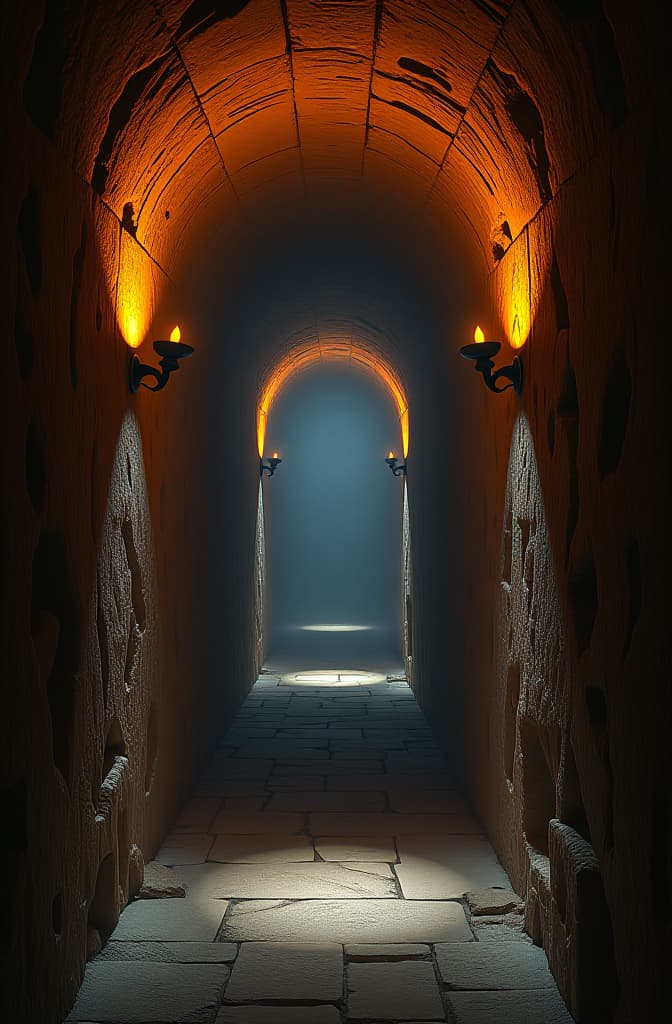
(189, 116)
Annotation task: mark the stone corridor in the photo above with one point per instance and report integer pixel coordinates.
(325, 870)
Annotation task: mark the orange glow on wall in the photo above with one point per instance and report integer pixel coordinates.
(331, 351)
(175, 334)
(479, 337)
(139, 285)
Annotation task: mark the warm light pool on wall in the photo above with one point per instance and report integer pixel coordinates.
(482, 351)
(170, 351)
(269, 465)
(398, 468)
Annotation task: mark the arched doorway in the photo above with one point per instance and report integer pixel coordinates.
(333, 518)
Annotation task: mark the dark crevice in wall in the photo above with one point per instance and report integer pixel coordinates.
(201, 14)
(36, 480)
(103, 908)
(559, 295)
(572, 810)
(540, 749)
(133, 561)
(77, 269)
(43, 85)
(511, 700)
(582, 587)
(596, 705)
(614, 418)
(55, 631)
(28, 234)
(120, 115)
(151, 748)
(414, 112)
(526, 118)
(634, 571)
(424, 71)
(115, 746)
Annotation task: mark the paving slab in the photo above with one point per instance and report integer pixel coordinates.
(447, 867)
(160, 882)
(309, 800)
(287, 971)
(291, 881)
(388, 951)
(326, 823)
(509, 965)
(231, 767)
(257, 823)
(494, 901)
(170, 952)
(278, 1015)
(188, 919)
(415, 800)
(402, 991)
(144, 993)
(537, 1007)
(357, 848)
(365, 920)
(263, 849)
(184, 849)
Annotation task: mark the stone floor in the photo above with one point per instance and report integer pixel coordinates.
(332, 873)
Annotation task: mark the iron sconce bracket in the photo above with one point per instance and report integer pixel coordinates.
(481, 353)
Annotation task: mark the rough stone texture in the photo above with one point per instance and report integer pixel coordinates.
(278, 1015)
(510, 965)
(159, 882)
(190, 919)
(145, 993)
(509, 1007)
(287, 971)
(346, 921)
(446, 869)
(290, 881)
(391, 951)
(393, 991)
(259, 849)
(493, 901)
(181, 952)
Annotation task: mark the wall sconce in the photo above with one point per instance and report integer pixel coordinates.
(481, 351)
(271, 466)
(170, 352)
(393, 463)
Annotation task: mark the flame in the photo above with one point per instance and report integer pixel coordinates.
(275, 455)
(175, 334)
(479, 337)
(391, 455)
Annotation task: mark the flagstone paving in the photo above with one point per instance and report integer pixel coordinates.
(333, 873)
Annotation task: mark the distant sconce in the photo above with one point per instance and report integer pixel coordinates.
(481, 351)
(170, 351)
(397, 468)
(270, 466)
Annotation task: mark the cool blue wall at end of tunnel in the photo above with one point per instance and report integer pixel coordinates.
(333, 523)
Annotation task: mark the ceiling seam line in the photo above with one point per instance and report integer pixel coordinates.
(378, 19)
(290, 58)
(469, 102)
(205, 117)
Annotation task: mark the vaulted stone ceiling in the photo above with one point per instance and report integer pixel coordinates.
(190, 112)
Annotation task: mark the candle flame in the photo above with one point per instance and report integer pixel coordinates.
(175, 334)
(275, 455)
(479, 336)
(391, 455)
